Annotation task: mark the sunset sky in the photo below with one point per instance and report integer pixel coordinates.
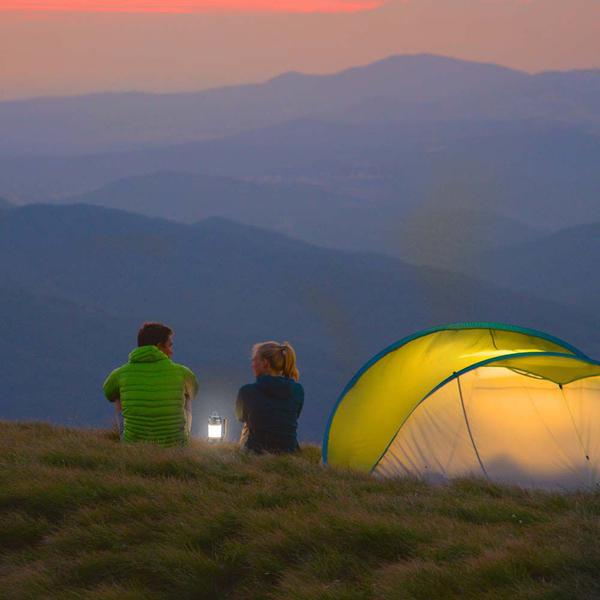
(59, 47)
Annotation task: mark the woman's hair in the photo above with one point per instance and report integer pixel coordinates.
(281, 357)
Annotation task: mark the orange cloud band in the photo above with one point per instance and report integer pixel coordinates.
(190, 6)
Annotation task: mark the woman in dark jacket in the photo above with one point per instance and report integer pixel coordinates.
(270, 407)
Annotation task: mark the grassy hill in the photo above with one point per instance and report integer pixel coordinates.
(84, 517)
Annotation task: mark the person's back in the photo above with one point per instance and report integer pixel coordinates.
(154, 392)
(270, 407)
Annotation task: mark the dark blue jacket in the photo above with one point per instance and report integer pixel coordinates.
(270, 409)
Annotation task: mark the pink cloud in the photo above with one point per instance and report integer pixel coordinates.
(190, 6)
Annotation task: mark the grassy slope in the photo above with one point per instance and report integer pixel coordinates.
(83, 517)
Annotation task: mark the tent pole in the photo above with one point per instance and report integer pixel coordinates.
(462, 403)
(493, 338)
(562, 391)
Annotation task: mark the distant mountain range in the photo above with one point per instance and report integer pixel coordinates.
(443, 237)
(557, 265)
(562, 266)
(408, 135)
(77, 281)
(301, 210)
(341, 212)
(406, 88)
(547, 176)
(54, 355)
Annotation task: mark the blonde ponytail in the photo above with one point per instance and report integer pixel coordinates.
(281, 358)
(289, 361)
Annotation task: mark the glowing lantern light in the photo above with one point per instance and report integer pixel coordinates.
(217, 428)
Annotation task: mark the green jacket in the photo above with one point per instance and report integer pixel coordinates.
(153, 391)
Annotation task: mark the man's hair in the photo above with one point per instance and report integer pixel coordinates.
(151, 334)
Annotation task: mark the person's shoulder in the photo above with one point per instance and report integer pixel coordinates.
(248, 388)
(112, 383)
(298, 389)
(179, 366)
(183, 369)
(115, 372)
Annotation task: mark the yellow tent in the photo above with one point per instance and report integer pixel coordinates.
(514, 405)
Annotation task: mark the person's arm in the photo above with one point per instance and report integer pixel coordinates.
(190, 392)
(240, 411)
(240, 414)
(188, 416)
(190, 383)
(300, 400)
(119, 424)
(111, 387)
(113, 393)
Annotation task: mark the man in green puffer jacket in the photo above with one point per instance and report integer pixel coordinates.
(153, 392)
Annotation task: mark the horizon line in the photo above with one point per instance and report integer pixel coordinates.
(103, 92)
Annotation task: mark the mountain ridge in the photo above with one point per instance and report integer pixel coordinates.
(513, 168)
(560, 265)
(224, 286)
(100, 122)
(313, 214)
(294, 74)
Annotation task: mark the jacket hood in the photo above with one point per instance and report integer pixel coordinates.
(146, 354)
(277, 387)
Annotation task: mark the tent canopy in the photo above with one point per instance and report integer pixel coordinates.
(430, 405)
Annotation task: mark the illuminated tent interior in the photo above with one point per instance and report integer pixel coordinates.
(512, 405)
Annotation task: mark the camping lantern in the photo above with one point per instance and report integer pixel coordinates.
(217, 428)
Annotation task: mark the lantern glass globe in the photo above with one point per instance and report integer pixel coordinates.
(215, 431)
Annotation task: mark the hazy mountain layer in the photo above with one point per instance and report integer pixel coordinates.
(53, 356)
(223, 287)
(562, 266)
(409, 134)
(420, 87)
(546, 176)
(441, 236)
